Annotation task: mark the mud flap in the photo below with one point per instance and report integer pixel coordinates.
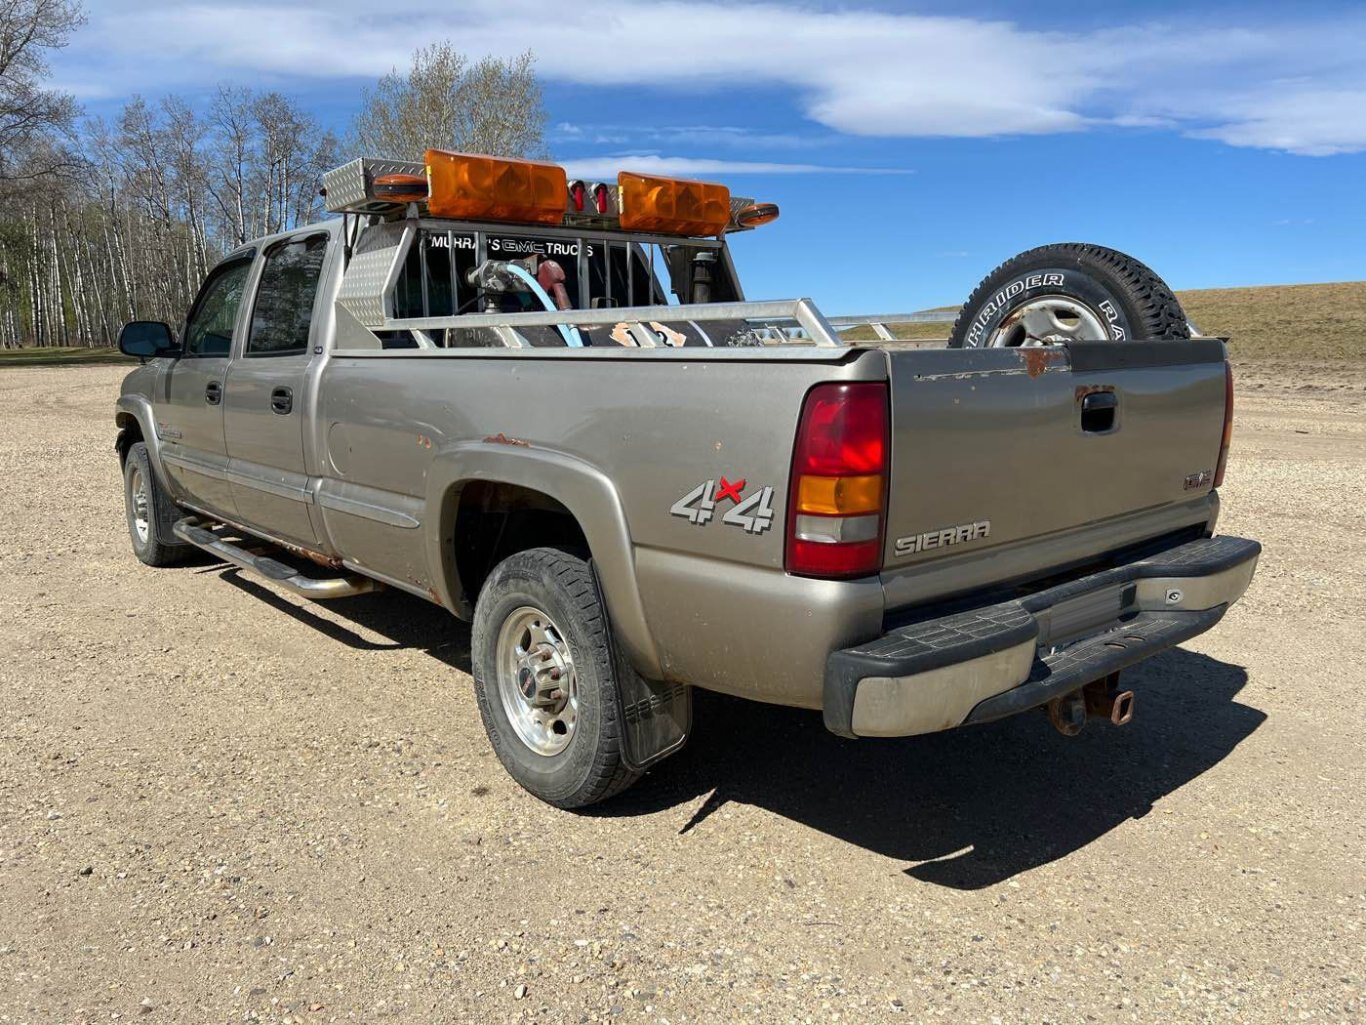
(656, 717)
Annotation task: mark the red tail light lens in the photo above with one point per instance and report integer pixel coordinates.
(1228, 426)
(839, 482)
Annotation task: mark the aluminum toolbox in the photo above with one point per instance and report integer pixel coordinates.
(346, 189)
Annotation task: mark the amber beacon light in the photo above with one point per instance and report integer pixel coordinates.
(492, 189)
(672, 206)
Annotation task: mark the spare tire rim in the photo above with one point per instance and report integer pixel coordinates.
(1049, 320)
(137, 490)
(537, 682)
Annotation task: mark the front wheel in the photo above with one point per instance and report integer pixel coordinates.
(546, 680)
(1068, 292)
(150, 512)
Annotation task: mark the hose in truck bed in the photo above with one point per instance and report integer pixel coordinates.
(572, 338)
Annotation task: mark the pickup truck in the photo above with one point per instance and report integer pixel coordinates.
(547, 407)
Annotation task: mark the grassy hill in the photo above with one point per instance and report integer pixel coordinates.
(1318, 323)
(1311, 323)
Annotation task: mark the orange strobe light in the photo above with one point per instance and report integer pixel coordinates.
(672, 206)
(474, 188)
(756, 214)
(401, 188)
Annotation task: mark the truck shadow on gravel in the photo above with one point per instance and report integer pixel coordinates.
(969, 808)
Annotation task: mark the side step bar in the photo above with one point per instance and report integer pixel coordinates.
(315, 589)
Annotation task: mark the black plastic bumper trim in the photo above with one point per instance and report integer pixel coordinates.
(1095, 658)
(962, 636)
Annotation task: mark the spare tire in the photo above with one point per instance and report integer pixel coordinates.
(1068, 292)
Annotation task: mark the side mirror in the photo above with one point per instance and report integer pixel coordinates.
(147, 339)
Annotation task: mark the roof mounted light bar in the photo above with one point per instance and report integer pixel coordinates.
(462, 186)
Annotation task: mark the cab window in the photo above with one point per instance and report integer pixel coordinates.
(283, 310)
(208, 330)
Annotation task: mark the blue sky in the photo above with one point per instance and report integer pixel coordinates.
(912, 146)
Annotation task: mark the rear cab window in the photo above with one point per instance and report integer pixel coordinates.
(593, 271)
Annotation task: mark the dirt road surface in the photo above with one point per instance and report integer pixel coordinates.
(222, 804)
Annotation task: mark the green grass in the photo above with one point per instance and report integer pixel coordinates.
(57, 356)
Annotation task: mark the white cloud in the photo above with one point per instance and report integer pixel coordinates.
(650, 163)
(1278, 82)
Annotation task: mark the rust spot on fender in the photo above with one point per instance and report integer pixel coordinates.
(423, 441)
(1037, 359)
(502, 439)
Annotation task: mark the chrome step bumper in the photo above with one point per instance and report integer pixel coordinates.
(988, 663)
(316, 589)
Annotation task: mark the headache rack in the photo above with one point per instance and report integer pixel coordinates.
(447, 254)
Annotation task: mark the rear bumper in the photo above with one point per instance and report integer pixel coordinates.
(991, 662)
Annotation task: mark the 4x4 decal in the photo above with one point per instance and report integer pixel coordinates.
(754, 514)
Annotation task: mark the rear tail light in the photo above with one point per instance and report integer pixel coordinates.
(839, 482)
(1228, 426)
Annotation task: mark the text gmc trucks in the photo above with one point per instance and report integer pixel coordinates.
(547, 406)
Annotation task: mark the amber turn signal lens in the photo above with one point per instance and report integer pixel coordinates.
(839, 496)
(672, 206)
(476, 188)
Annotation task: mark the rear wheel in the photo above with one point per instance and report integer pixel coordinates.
(1068, 292)
(546, 679)
(150, 512)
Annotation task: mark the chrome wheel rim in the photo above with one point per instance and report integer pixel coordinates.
(141, 501)
(537, 683)
(1049, 320)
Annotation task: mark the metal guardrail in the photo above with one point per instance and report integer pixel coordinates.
(880, 322)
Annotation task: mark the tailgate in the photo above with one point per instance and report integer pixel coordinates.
(998, 451)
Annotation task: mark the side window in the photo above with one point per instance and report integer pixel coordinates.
(284, 299)
(208, 332)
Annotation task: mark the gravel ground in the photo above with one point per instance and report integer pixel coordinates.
(222, 804)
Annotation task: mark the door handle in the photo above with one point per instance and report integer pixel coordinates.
(282, 401)
(1098, 412)
(213, 393)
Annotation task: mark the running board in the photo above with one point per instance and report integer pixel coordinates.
(315, 589)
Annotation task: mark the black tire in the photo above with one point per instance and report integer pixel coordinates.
(1129, 300)
(590, 768)
(156, 546)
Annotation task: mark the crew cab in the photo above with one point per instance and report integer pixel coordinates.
(548, 407)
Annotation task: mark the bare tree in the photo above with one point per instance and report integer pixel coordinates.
(31, 115)
(165, 190)
(492, 106)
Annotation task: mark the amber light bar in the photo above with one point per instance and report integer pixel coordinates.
(672, 206)
(467, 187)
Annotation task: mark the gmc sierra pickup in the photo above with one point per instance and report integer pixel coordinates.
(547, 407)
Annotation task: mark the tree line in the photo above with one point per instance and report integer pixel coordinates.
(105, 220)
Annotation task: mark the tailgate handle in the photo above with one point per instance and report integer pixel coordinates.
(1098, 412)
